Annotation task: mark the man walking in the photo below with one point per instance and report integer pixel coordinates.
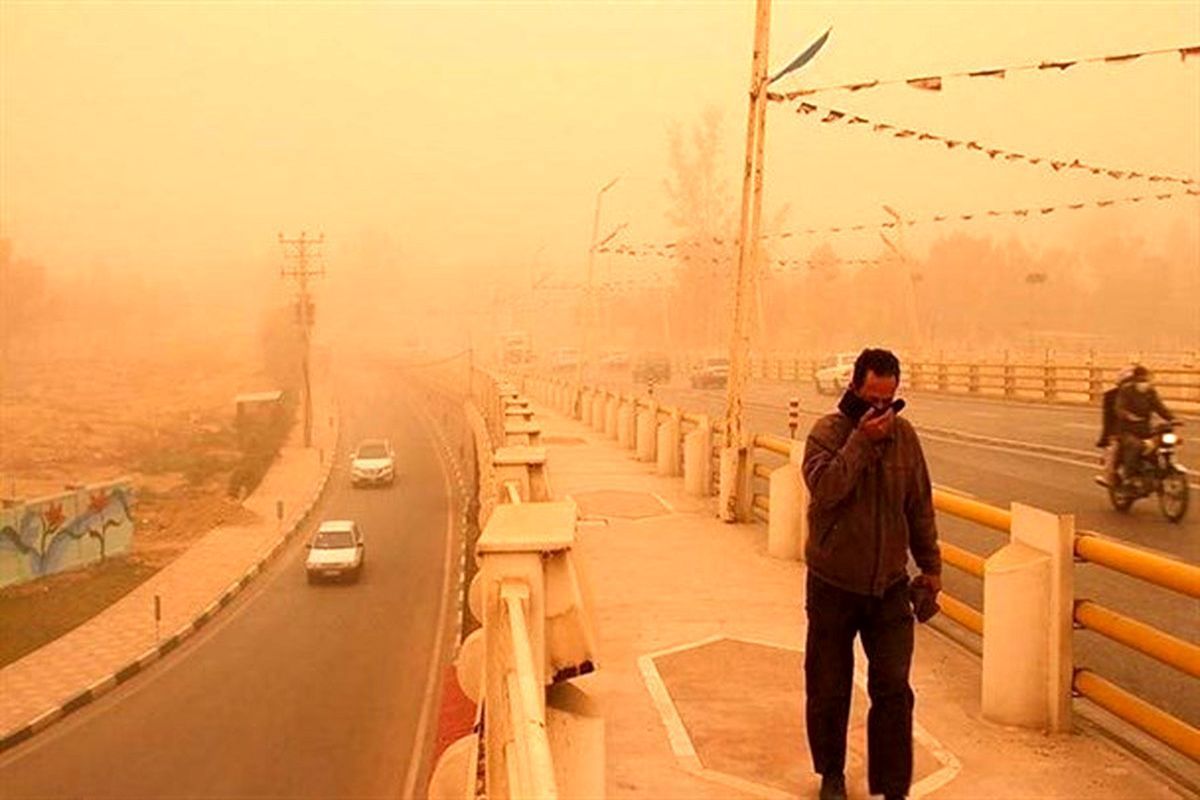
(871, 504)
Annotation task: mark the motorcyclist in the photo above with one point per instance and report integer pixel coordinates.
(1109, 436)
(1136, 403)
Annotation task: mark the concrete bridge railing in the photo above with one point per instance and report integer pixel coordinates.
(536, 735)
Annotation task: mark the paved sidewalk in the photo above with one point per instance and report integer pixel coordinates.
(91, 659)
(701, 650)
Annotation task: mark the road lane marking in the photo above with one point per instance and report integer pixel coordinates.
(431, 683)
(952, 490)
(1093, 465)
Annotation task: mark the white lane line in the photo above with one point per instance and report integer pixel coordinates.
(1092, 465)
(1083, 426)
(952, 490)
(432, 682)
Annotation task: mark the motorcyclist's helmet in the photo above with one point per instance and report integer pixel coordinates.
(1139, 373)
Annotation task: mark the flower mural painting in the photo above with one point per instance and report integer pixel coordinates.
(65, 531)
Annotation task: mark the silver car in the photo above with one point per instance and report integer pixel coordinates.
(373, 462)
(335, 552)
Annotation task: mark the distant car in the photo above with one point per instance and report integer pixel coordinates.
(335, 552)
(652, 365)
(834, 372)
(711, 373)
(373, 462)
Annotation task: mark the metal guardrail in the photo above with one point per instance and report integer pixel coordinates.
(1048, 380)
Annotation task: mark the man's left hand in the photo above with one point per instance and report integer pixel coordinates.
(934, 581)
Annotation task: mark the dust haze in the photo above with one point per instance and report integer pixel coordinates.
(452, 154)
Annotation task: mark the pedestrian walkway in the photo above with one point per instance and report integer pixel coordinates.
(701, 638)
(89, 660)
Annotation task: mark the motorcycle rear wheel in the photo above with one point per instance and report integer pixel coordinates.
(1173, 496)
(1121, 501)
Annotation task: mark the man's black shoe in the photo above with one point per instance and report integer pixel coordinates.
(833, 787)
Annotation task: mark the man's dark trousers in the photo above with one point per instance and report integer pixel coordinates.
(886, 626)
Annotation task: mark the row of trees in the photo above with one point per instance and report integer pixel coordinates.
(1111, 288)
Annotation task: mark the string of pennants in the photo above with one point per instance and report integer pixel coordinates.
(832, 115)
(669, 249)
(933, 83)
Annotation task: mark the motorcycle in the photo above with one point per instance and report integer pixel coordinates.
(1157, 473)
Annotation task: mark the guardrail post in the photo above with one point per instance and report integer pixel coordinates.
(667, 460)
(697, 459)
(646, 433)
(527, 466)
(973, 379)
(611, 409)
(918, 375)
(1095, 383)
(943, 376)
(1010, 378)
(1050, 382)
(734, 487)
(1027, 623)
(787, 526)
(627, 423)
(599, 404)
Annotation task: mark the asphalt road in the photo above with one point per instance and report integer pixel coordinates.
(295, 691)
(1059, 482)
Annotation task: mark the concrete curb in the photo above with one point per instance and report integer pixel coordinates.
(12, 738)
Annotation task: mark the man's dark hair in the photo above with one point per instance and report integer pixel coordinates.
(882, 362)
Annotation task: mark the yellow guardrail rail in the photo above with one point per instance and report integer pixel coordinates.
(1169, 573)
(1170, 650)
(961, 613)
(965, 560)
(1137, 712)
(972, 510)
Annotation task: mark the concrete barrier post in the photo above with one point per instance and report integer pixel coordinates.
(1027, 623)
(585, 407)
(646, 434)
(599, 408)
(610, 416)
(697, 459)
(667, 446)
(787, 528)
(734, 487)
(626, 424)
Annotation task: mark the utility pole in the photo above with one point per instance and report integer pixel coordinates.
(296, 251)
(735, 475)
(733, 454)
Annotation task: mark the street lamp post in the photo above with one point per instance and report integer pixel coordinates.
(734, 476)
(589, 299)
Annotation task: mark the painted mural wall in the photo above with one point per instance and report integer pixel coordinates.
(64, 531)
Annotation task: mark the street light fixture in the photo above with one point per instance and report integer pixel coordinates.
(589, 301)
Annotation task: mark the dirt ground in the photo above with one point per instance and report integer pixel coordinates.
(164, 420)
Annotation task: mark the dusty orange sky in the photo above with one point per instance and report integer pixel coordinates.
(180, 137)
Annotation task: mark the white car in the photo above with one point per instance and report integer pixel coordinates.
(336, 551)
(833, 374)
(373, 462)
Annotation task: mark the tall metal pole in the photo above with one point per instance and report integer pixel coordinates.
(589, 299)
(733, 466)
